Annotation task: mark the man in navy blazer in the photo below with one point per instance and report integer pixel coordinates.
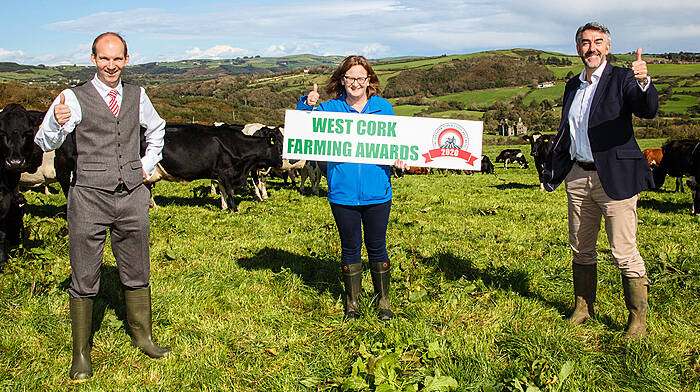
(596, 155)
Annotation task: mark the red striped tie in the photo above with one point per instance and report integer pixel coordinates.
(113, 105)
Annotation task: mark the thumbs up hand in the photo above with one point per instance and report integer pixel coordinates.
(61, 111)
(639, 67)
(313, 97)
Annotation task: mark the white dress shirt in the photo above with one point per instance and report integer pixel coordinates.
(580, 111)
(51, 134)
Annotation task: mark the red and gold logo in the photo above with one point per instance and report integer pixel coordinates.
(450, 140)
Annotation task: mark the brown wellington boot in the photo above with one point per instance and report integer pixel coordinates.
(352, 278)
(636, 292)
(585, 284)
(381, 275)
(138, 316)
(81, 327)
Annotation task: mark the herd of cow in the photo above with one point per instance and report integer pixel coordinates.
(229, 154)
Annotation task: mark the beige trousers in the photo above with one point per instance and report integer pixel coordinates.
(587, 203)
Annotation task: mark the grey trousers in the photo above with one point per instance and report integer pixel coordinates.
(587, 203)
(90, 213)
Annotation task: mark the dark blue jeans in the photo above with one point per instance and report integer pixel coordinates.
(352, 221)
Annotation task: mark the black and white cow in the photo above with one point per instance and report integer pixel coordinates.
(540, 145)
(194, 151)
(681, 157)
(512, 155)
(17, 154)
(259, 177)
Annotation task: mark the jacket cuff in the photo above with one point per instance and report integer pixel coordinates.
(302, 105)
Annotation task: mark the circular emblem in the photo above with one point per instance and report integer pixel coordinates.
(451, 135)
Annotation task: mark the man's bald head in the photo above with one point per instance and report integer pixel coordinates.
(107, 34)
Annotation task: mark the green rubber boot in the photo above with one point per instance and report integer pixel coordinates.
(138, 316)
(381, 275)
(81, 327)
(636, 293)
(352, 278)
(585, 284)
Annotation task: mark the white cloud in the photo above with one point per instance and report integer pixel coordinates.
(374, 50)
(216, 52)
(11, 55)
(79, 55)
(276, 51)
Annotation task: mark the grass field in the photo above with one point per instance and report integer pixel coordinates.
(681, 105)
(686, 89)
(673, 69)
(408, 110)
(484, 97)
(250, 301)
(459, 114)
(554, 93)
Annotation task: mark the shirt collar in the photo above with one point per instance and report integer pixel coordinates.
(104, 89)
(596, 74)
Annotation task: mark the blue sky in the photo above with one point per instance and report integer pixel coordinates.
(55, 32)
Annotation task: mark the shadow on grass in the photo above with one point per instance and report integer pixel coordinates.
(45, 210)
(504, 277)
(307, 192)
(316, 272)
(515, 185)
(198, 201)
(665, 206)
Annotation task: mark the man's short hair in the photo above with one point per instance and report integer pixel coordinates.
(94, 43)
(592, 26)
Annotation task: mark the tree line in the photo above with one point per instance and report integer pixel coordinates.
(476, 73)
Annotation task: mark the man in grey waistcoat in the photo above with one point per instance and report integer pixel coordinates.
(107, 192)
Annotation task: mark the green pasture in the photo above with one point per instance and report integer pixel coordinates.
(484, 97)
(459, 114)
(681, 105)
(251, 301)
(35, 73)
(419, 63)
(686, 89)
(561, 72)
(673, 69)
(408, 110)
(540, 94)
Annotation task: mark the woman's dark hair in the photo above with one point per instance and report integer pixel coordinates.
(335, 87)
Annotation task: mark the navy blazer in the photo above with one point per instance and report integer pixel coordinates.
(622, 169)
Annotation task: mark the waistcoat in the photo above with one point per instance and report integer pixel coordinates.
(107, 147)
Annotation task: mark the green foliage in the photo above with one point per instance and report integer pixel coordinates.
(398, 365)
(475, 73)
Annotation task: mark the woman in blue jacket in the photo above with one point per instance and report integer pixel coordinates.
(359, 194)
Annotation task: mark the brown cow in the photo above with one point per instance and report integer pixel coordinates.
(654, 156)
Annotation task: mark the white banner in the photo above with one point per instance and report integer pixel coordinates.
(381, 139)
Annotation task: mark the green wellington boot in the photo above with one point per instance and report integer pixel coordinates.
(138, 316)
(585, 283)
(381, 275)
(81, 327)
(352, 278)
(636, 292)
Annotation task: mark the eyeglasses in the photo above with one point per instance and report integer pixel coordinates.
(360, 80)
